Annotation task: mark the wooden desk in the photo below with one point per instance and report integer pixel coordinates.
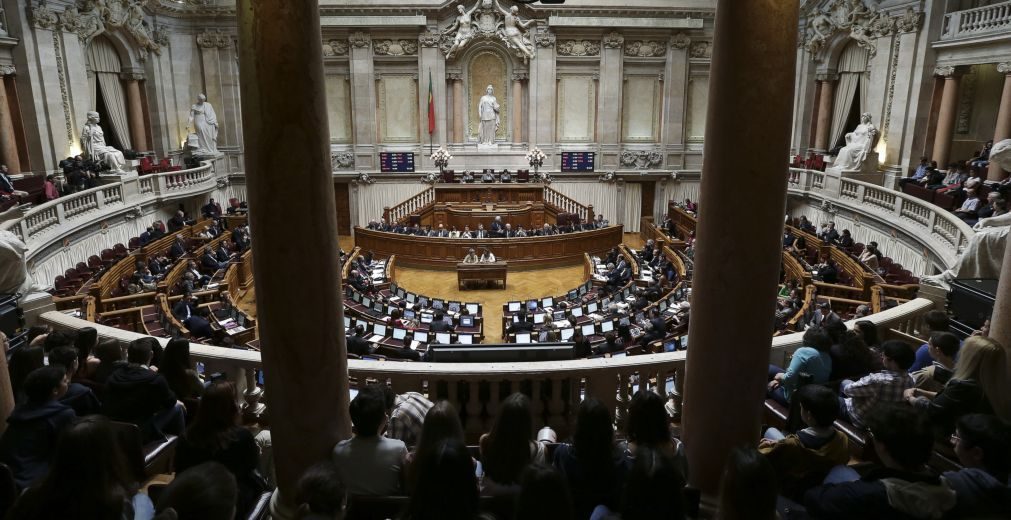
(482, 272)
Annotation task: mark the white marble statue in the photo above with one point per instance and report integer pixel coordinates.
(488, 111)
(204, 123)
(93, 143)
(512, 31)
(14, 278)
(464, 26)
(859, 143)
(984, 254)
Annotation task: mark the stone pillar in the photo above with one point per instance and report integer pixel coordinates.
(826, 98)
(363, 99)
(8, 141)
(286, 131)
(459, 132)
(610, 87)
(674, 91)
(815, 110)
(946, 116)
(750, 93)
(517, 101)
(135, 111)
(1003, 129)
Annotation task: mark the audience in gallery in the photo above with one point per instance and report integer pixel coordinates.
(811, 361)
(369, 463)
(138, 394)
(204, 492)
(935, 321)
(886, 385)
(508, 447)
(943, 349)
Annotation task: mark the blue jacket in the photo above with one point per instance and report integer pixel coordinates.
(30, 439)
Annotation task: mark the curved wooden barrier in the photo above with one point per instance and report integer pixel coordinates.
(521, 253)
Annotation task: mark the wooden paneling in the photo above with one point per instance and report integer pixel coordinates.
(342, 195)
(492, 192)
(648, 195)
(528, 253)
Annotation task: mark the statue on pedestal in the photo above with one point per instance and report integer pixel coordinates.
(93, 143)
(203, 123)
(859, 143)
(488, 112)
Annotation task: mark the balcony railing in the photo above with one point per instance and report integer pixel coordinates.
(980, 21)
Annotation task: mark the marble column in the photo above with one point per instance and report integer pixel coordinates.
(363, 99)
(517, 110)
(8, 141)
(135, 112)
(946, 116)
(459, 132)
(815, 110)
(1003, 129)
(751, 93)
(610, 86)
(289, 180)
(825, 101)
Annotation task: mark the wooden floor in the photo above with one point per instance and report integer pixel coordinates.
(520, 285)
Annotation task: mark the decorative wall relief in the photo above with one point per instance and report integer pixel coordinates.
(680, 41)
(641, 159)
(394, 47)
(89, 18)
(488, 20)
(544, 37)
(613, 40)
(429, 38)
(646, 49)
(359, 40)
(341, 160)
(701, 50)
(578, 48)
(332, 48)
(863, 24)
(966, 95)
(214, 38)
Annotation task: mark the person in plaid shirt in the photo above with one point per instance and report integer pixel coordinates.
(407, 415)
(884, 386)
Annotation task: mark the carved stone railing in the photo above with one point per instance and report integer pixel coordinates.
(46, 223)
(980, 21)
(410, 206)
(476, 389)
(939, 231)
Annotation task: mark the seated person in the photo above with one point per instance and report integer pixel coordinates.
(846, 239)
(468, 176)
(439, 232)
(487, 176)
(828, 271)
(943, 348)
(454, 233)
(520, 232)
(810, 453)
(211, 209)
(981, 444)
(520, 325)
(35, 425)
(919, 174)
(466, 233)
(471, 257)
(812, 358)
(79, 397)
(505, 177)
(887, 385)
(356, 343)
(870, 256)
(177, 222)
(406, 414)
(439, 323)
(480, 233)
(178, 248)
(136, 394)
(969, 207)
(210, 261)
(487, 256)
(369, 463)
(828, 233)
(901, 488)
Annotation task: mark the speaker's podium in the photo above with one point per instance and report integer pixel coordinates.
(481, 274)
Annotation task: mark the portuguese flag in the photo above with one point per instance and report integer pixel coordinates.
(431, 105)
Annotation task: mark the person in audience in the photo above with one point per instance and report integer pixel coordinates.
(87, 478)
(828, 271)
(84, 344)
(829, 233)
(887, 385)
(139, 395)
(210, 261)
(439, 323)
(981, 487)
(110, 357)
(812, 358)
(936, 321)
(591, 464)
(520, 325)
(824, 316)
(870, 256)
(211, 209)
(57, 339)
(487, 256)
(187, 312)
(454, 233)
(977, 386)
(900, 488)
(320, 494)
(520, 232)
(803, 458)
(749, 486)
(439, 232)
(177, 222)
(468, 176)
(79, 397)
(467, 233)
(178, 248)
(178, 371)
(653, 488)
(23, 362)
(852, 358)
(406, 414)
(215, 435)
(546, 230)
(580, 345)
(35, 425)
(487, 176)
(369, 463)
(49, 189)
(919, 174)
(505, 176)
(446, 485)
(508, 231)
(648, 426)
(441, 422)
(471, 257)
(204, 492)
(544, 495)
(934, 179)
(481, 232)
(969, 206)
(509, 447)
(223, 254)
(943, 347)
(610, 344)
(356, 343)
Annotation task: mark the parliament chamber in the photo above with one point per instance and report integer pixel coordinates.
(658, 219)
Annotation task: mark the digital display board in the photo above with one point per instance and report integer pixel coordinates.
(578, 161)
(396, 162)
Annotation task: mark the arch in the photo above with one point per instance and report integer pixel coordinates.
(851, 89)
(124, 48)
(477, 54)
(105, 65)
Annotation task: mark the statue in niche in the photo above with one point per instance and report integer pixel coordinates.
(984, 254)
(464, 29)
(859, 143)
(488, 112)
(511, 31)
(93, 143)
(203, 124)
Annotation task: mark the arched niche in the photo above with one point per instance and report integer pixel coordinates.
(849, 63)
(487, 63)
(105, 58)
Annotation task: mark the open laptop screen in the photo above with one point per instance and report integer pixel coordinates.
(523, 337)
(587, 329)
(399, 333)
(443, 337)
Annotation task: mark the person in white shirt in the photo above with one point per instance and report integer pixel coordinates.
(467, 233)
(970, 205)
(368, 463)
(471, 257)
(487, 256)
(454, 233)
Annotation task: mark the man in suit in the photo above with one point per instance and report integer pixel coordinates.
(210, 262)
(185, 308)
(487, 177)
(440, 232)
(439, 324)
(658, 328)
(178, 248)
(223, 254)
(356, 342)
(497, 229)
(829, 233)
(177, 222)
(211, 209)
(509, 233)
(145, 237)
(481, 232)
(521, 325)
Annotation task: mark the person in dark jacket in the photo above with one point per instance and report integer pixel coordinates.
(35, 425)
(110, 357)
(981, 444)
(901, 488)
(139, 395)
(522, 325)
(356, 342)
(79, 397)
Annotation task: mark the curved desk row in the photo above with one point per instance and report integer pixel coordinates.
(521, 253)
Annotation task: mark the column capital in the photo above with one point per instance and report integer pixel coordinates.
(680, 41)
(132, 76)
(613, 40)
(1004, 67)
(946, 71)
(8, 70)
(454, 76)
(826, 76)
(360, 40)
(520, 75)
(429, 38)
(544, 38)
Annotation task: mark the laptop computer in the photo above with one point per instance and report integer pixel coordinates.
(547, 302)
(514, 306)
(466, 339)
(378, 333)
(426, 317)
(539, 318)
(444, 338)
(467, 321)
(399, 333)
(606, 326)
(587, 329)
(577, 311)
(473, 308)
(454, 307)
(523, 337)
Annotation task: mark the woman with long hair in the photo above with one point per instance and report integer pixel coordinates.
(88, 478)
(178, 372)
(544, 495)
(442, 422)
(215, 435)
(509, 446)
(446, 484)
(749, 487)
(648, 425)
(653, 488)
(591, 463)
(85, 343)
(852, 359)
(977, 386)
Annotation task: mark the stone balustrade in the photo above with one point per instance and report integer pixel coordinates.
(969, 23)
